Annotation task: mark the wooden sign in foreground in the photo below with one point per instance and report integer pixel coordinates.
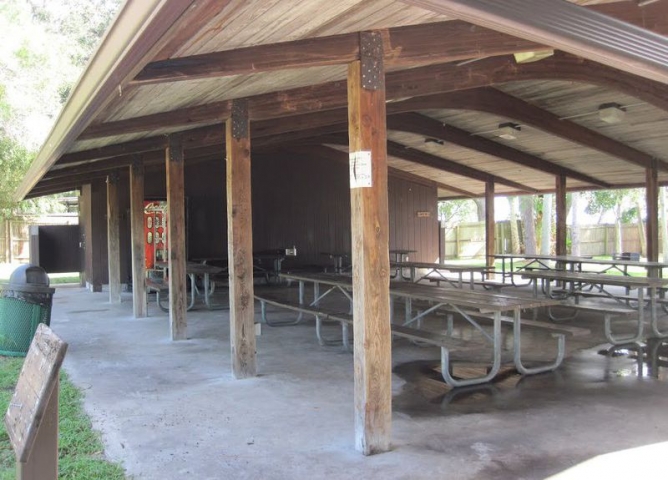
(32, 415)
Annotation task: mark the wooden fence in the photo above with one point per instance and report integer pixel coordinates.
(15, 235)
(467, 240)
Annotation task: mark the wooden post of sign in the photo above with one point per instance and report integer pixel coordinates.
(113, 239)
(176, 238)
(490, 226)
(561, 214)
(32, 415)
(137, 232)
(240, 241)
(370, 247)
(652, 228)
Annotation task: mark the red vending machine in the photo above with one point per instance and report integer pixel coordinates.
(155, 232)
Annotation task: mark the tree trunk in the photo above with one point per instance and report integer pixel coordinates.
(480, 208)
(575, 224)
(527, 213)
(641, 231)
(546, 230)
(514, 232)
(618, 230)
(663, 231)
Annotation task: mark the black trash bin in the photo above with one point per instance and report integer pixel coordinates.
(25, 302)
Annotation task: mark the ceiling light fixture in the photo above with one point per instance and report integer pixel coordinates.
(528, 57)
(509, 131)
(611, 113)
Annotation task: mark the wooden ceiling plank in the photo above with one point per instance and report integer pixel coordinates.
(414, 82)
(404, 46)
(494, 101)
(422, 125)
(416, 156)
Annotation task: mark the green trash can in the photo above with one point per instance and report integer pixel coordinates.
(25, 302)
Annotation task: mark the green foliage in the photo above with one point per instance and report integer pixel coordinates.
(624, 203)
(456, 211)
(45, 46)
(80, 450)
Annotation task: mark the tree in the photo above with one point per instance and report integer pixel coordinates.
(45, 45)
(546, 226)
(601, 202)
(575, 223)
(455, 211)
(528, 213)
(514, 233)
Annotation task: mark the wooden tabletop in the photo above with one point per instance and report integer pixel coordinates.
(453, 267)
(553, 258)
(482, 302)
(596, 278)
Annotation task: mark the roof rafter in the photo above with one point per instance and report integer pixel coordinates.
(403, 152)
(496, 102)
(415, 82)
(599, 37)
(423, 125)
(407, 46)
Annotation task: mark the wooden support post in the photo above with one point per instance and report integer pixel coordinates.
(137, 228)
(113, 239)
(240, 242)
(489, 223)
(370, 247)
(176, 238)
(561, 213)
(652, 228)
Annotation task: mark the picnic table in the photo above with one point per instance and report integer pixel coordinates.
(435, 271)
(536, 261)
(471, 305)
(337, 259)
(577, 284)
(194, 271)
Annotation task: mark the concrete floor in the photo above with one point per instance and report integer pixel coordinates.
(171, 410)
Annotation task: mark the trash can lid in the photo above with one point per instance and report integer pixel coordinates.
(29, 275)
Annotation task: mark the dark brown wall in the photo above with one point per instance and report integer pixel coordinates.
(94, 233)
(306, 202)
(297, 201)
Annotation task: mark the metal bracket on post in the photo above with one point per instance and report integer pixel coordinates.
(371, 57)
(240, 118)
(175, 148)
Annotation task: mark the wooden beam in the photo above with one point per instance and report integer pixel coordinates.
(370, 248)
(113, 239)
(490, 224)
(652, 227)
(417, 156)
(423, 125)
(415, 82)
(240, 242)
(137, 234)
(600, 38)
(496, 102)
(561, 214)
(408, 46)
(176, 238)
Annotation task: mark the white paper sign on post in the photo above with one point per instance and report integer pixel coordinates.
(360, 170)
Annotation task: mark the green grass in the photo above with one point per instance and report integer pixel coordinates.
(80, 449)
